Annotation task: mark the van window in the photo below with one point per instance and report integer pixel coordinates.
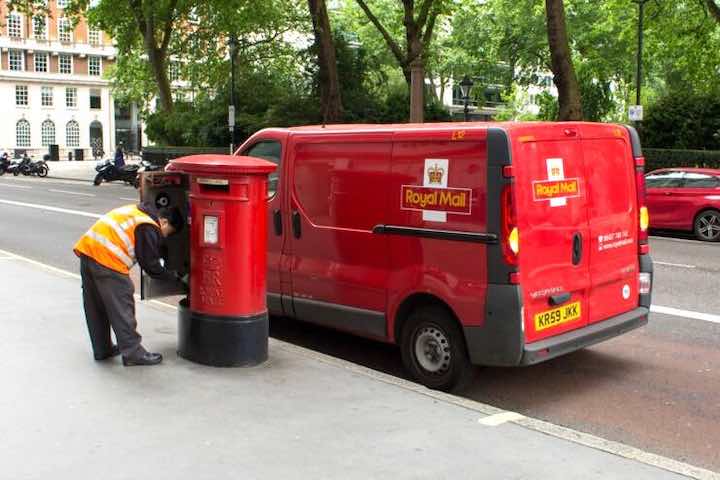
(664, 180)
(700, 180)
(271, 151)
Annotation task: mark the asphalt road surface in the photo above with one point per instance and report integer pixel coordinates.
(657, 388)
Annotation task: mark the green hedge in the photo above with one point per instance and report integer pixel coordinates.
(162, 155)
(665, 158)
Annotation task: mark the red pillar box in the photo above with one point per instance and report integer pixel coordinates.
(225, 322)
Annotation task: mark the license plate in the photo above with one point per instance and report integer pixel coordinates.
(557, 316)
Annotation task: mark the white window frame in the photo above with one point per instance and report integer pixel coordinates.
(174, 71)
(15, 30)
(74, 96)
(26, 134)
(46, 96)
(62, 3)
(99, 95)
(65, 30)
(47, 135)
(22, 96)
(75, 134)
(99, 65)
(94, 36)
(22, 59)
(44, 34)
(60, 57)
(38, 55)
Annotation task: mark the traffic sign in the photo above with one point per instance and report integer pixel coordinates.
(635, 113)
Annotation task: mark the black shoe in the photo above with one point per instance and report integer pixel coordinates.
(146, 358)
(114, 352)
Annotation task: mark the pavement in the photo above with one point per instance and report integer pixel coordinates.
(82, 171)
(300, 415)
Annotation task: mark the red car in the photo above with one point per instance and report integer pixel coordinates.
(685, 199)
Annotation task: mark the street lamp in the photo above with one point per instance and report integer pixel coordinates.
(465, 86)
(232, 45)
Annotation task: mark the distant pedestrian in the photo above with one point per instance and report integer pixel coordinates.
(119, 156)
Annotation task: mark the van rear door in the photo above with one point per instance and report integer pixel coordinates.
(613, 220)
(551, 199)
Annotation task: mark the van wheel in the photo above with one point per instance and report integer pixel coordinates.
(433, 350)
(707, 226)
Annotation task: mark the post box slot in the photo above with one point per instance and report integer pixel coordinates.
(214, 188)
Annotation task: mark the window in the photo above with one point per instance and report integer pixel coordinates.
(21, 95)
(17, 60)
(14, 25)
(670, 179)
(62, 3)
(22, 133)
(95, 100)
(40, 27)
(72, 134)
(41, 61)
(700, 180)
(93, 36)
(174, 72)
(64, 30)
(271, 151)
(46, 96)
(48, 133)
(71, 97)
(65, 63)
(94, 66)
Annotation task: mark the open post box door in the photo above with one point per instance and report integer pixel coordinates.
(165, 189)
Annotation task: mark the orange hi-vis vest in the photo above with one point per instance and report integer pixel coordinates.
(111, 240)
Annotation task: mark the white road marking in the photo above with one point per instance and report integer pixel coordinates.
(500, 418)
(680, 240)
(15, 186)
(50, 209)
(679, 265)
(707, 317)
(557, 431)
(131, 199)
(71, 193)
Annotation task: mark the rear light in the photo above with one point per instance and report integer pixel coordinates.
(644, 218)
(510, 234)
(644, 283)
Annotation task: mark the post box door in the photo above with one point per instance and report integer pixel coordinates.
(168, 189)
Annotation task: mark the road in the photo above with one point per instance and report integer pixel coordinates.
(657, 388)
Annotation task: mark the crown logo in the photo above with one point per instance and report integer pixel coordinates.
(435, 174)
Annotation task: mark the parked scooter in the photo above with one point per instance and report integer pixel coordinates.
(108, 172)
(26, 166)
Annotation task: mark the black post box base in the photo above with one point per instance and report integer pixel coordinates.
(222, 341)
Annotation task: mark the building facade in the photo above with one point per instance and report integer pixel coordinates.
(52, 85)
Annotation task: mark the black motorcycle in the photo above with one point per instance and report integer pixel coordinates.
(5, 163)
(27, 167)
(108, 172)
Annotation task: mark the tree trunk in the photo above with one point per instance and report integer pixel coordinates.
(417, 91)
(330, 98)
(158, 64)
(714, 9)
(562, 67)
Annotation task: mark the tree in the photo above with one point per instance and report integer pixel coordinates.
(330, 98)
(562, 67)
(418, 36)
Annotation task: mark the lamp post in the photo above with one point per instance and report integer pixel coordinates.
(465, 86)
(232, 45)
(638, 74)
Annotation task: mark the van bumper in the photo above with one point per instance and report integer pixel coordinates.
(542, 350)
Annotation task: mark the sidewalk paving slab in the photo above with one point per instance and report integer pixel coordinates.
(295, 417)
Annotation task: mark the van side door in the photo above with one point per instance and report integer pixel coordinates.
(271, 146)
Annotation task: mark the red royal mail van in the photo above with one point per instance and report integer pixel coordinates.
(487, 244)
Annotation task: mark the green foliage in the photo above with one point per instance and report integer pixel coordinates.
(683, 120)
(665, 158)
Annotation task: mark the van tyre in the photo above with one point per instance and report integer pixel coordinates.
(433, 350)
(707, 226)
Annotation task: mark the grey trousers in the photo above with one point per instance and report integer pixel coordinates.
(108, 301)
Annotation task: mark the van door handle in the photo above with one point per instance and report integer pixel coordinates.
(577, 249)
(296, 224)
(277, 222)
(559, 299)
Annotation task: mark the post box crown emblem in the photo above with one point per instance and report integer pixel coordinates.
(435, 174)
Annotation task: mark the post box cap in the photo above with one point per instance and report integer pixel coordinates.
(222, 164)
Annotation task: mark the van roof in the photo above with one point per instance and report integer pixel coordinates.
(706, 171)
(376, 127)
